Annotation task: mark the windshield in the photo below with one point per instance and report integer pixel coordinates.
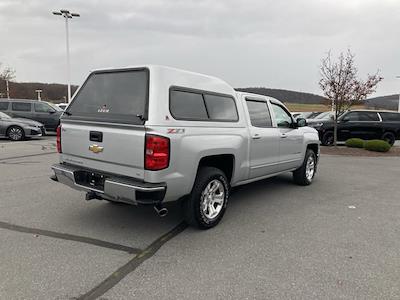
(4, 116)
(112, 96)
(54, 106)
(325, 115)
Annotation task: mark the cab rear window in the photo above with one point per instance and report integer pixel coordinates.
(112, 96)
(202, 106)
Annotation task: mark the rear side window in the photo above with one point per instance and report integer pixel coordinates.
(198, 106)
(221, 108)
(3, 105)
(21, 106)
(187, 105)
(259, 113)
(390, 117)
(117, 96)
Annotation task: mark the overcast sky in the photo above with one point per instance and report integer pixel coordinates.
(276, 44)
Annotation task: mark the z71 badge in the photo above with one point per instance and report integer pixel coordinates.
(175, 130)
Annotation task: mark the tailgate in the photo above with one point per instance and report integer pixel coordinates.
(113, 149)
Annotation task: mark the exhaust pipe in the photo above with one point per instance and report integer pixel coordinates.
(161, 211)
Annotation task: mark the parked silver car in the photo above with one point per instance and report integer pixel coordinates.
(17, 129)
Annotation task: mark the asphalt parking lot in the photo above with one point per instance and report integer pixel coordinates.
(335, 239)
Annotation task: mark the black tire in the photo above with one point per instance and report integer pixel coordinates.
(15, 133)
(327, 138)
(389, 137)
(300, 176)
(193, 206)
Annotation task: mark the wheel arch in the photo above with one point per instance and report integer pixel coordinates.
(224, 162)
(14, 125)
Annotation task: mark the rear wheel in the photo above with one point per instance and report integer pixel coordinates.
(15, 133)
(389, 137)
(327, 138)
(305, 174)
(206, 205)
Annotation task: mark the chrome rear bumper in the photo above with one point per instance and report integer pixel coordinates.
(115, 188)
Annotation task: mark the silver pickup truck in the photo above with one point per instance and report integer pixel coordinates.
(154, 134)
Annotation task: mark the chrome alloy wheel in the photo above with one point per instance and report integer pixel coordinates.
(310, 168)
(15, 133)
(212, 199)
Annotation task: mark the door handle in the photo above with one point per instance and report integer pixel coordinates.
(283, 136)
(96, 136)
(256, 137)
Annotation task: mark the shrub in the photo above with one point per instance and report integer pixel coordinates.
(355, 143)
(377, 145)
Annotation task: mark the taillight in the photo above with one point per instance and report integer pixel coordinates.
(156, 155)
(58, 139)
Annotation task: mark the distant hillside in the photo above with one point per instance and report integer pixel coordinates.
(26, 90)
(286, 96)
(385, 102)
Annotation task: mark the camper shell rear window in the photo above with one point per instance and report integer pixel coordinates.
(117, 96)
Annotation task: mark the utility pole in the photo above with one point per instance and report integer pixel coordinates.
(39, 92)
(8, 90)
(66, 14)
(398, 105)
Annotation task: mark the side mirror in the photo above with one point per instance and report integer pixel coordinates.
(52, 112)
(301, 122)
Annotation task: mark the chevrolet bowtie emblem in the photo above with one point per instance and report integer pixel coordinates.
(96, 148)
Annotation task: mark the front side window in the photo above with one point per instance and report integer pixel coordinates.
(21, 106)
(4, 105)
(43, 107)
(363, 116)
(283, 119)
(259, 113)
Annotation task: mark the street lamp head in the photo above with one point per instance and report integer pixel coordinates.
(65, 13)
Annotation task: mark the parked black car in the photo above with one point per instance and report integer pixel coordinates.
(41, 111)
(364, 124)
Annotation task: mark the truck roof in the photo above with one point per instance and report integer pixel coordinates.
(259, 95)
(167, 75)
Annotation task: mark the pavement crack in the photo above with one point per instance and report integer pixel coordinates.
(69, 237)
(29, 155)
(132, 265)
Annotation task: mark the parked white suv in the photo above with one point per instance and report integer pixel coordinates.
(153, 134)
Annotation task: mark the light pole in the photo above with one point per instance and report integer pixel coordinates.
(398, 105)
(39, 92)
(66, 14)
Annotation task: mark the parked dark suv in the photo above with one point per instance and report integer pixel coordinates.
(41, 111)
(364, 124)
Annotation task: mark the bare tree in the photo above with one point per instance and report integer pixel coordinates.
(341, 85)
(7, 75)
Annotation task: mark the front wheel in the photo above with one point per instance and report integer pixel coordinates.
(305, 174)
(15, 133)
(206, 205)
(389, 137)
(327, 138)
